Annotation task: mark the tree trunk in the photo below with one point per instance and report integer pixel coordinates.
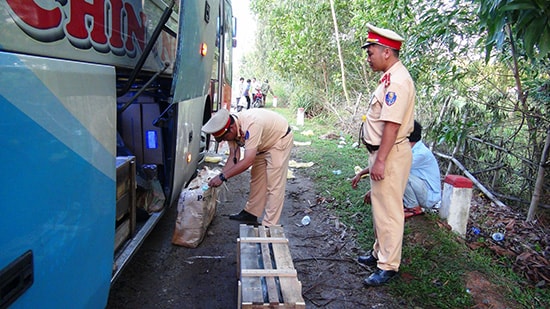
(340, 56)
(540, 179)
(459, 141)
(440, 118)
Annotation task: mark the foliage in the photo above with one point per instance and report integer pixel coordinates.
(490, 115)
(527, 20)
(435, 260)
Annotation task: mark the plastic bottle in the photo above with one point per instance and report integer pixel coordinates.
(306, 220)
(498, 236)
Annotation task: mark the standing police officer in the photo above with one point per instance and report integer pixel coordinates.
(389, 122)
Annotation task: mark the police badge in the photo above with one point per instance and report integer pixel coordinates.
(391, 97)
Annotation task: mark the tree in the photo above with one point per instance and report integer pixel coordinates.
(482, 85)
(526, 22)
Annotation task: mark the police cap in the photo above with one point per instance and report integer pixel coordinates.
(383, 37)
(218, 124)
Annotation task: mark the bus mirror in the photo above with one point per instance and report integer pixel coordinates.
(234, 43)
(234, 27)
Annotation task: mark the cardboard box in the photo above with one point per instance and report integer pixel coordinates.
(125, 199)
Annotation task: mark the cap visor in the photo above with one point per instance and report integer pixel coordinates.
(367, 44)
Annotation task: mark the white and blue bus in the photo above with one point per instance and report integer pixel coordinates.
(92, 94)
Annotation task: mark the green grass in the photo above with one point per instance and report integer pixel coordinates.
(435, 260)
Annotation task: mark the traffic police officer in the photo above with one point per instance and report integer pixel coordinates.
(267, 140)
(389, 122)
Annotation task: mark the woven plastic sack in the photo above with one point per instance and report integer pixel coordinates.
(196, 209)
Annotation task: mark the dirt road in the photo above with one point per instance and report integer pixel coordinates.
(162, 275)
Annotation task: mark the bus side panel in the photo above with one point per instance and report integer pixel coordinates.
(192, 72)
(191, 84)
(188, 111)
(58, 185)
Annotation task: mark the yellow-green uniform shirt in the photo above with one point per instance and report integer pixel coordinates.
(393, 100)
(262, 128)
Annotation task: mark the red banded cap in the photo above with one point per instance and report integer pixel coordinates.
(218, 124)
(383, 37)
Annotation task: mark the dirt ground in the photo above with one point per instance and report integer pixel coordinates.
(162, 275)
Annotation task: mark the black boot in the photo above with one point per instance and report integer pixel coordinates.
(368, 259)
(380, 277)
(244, 216)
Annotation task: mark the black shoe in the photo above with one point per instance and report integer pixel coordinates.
(244, 216)
(368, 260)
(380, 277)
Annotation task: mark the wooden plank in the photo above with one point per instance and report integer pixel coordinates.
(126, 190)
(265, 240)
(272, 287)
(268, 273)
(133, 192)
(122, 233)
(264, 257)
(291, 288)
(239, 293)
(251, 287)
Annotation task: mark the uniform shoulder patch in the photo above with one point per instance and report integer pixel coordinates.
(391, 97)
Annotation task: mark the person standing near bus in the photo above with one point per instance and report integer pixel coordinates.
(267, 141)
(389, 122)
(239, 91)
(246, 94)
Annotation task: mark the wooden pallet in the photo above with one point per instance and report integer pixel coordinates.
(267, 278)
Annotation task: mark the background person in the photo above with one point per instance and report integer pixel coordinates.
(239, 91)
(424, 184)
(267, 140)
(266, 88)
(256, 85)
(246, 95)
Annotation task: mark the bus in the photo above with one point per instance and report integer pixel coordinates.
(102, 104)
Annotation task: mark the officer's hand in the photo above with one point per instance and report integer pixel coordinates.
(355, 181)
(377, 171)
(215, 182)
(366, 199)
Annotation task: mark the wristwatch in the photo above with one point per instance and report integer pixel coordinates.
(222, 177)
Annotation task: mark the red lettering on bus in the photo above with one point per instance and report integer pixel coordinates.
(34, 15)
(115, 38)
(136, 28)
(115, 26)
(85, 16)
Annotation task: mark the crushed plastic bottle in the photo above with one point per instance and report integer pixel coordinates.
(498, 236)
(337, 172)
(306, 220)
